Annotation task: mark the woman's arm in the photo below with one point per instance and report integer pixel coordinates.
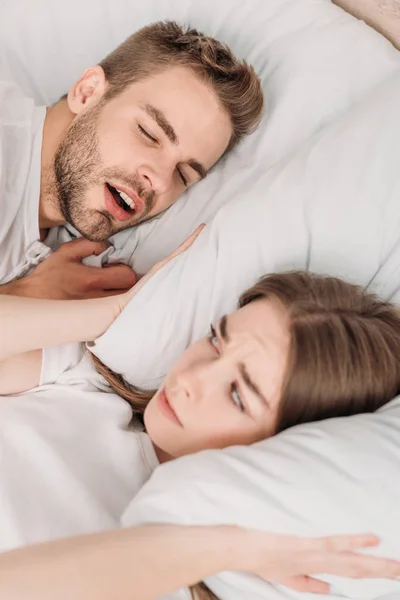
(20, 373)
(30, 323)
(149, 561)
(27, 325)
(141, 562)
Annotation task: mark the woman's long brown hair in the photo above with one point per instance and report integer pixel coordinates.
(344, 355)
(136, 397)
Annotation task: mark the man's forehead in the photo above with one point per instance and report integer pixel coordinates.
(188, 112)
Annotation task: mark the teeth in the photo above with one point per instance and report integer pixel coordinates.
(126, 199)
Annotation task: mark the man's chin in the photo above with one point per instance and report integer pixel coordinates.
(95, 232)
(102, 227)
(93, 236)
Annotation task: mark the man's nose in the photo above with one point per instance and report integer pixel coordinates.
(157, 178)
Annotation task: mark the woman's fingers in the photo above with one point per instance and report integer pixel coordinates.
(304, 583)
(187, 243)
(143, 280)
(343, 543)
(337, 555)
(294, 560)
(179, 250)
(359, 566)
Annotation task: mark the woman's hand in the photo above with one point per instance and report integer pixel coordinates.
(291, 560)
(162, 558)
(123, 299)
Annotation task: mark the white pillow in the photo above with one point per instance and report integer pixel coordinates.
(339, 476)
(314, 59)
(333, 207)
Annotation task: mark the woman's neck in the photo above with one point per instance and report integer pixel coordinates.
(161, 454)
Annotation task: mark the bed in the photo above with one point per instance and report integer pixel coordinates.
(343, 80)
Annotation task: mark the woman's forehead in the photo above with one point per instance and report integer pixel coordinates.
(259, 339)
(266, 318)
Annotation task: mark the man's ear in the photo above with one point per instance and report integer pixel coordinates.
(88, 90)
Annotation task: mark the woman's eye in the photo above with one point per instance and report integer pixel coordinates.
(147, 134)
(182, 177)
(236, 397)
(213, 337)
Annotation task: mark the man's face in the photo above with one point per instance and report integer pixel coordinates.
(125, 160)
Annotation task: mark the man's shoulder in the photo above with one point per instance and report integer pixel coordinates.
(20, 122)
(21, 127)
(16, 109)
(17, 118)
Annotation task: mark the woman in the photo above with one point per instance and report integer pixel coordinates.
(300, 348)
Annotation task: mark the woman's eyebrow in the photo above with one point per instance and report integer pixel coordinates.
(223, 330)
(251, 385)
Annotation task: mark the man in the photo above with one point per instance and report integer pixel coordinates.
(132, 134)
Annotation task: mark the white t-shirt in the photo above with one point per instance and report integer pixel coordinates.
(57, 360)
(70, 460)
(21, 128)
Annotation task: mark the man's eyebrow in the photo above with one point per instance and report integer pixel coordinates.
(251, 385)
(162, 121)
(223, 328)
(198, 167)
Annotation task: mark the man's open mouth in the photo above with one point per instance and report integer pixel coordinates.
(122, 199)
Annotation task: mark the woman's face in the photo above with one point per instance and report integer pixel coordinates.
(225, 389)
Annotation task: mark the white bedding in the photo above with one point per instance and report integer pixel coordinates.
(316, 186)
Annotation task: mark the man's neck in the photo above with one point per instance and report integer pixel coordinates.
(58, 118)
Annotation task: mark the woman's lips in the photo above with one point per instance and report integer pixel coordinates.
(166, 409)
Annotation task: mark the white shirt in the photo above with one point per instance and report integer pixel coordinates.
(70, 461)
(57, 360)
(21, 128)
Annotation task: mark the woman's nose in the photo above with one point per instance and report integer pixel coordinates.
(201, 380)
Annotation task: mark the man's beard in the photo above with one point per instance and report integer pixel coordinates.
(78, 168)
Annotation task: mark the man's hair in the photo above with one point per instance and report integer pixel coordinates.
(166, 44)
